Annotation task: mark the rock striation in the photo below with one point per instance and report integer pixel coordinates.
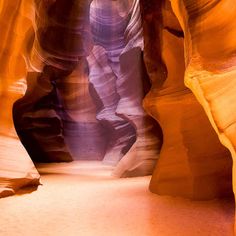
(62, 41)
(16, 168)
(116, 71)
(85, 79)
(75, 80)
(210, 61)
(85, 137)
(193, 163)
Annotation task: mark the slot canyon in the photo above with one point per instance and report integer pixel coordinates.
(117, 117)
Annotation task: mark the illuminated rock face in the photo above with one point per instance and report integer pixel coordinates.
(108, 28)
(85, 137)
(116, 71)
(120, 133)
(16, 167)
(210, 59)
(59, 48)
(192, 162)
(83, 66)
(84, 72)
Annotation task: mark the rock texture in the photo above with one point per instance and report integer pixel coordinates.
(85, 137)
(210, 60)
(82, 64)
(61, 43)
(192, 162)
(116, 71)
(84, 73)
(16, 167)
(120, 133)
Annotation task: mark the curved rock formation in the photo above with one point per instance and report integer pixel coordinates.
(192, 161)
(108, 25)
(84, 136)
(210, 60)
(62, 40)
(16, 167)
(56, 118)
(116, 73)
(83, 61)
(120, 133)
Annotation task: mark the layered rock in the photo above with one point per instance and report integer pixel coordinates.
(141, 158)
(16, 167)
(85, 85)
(108, 27)
(210, 60)
(192, 162)
(120, 133)
(56, 119)
(16, 29)
(116, 71)
(84, 136)
(62, 40)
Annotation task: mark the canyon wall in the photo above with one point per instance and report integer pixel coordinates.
(73, 82)
(59, 49)
(209, 28)
(193, 163)
(117, 71)
(112, 80)
(16, 168)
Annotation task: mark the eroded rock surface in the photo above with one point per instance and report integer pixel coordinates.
(16, 168)
(82, 65)
(210, 60)
(116, 71)
(62, 41)
(84, 73)
(192, 163)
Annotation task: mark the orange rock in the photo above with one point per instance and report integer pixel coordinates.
(16, 167)
(192, 163)
(210, 43)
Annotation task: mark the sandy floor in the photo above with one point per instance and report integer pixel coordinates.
(82, 199)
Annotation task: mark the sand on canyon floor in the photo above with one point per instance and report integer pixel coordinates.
(81, 198)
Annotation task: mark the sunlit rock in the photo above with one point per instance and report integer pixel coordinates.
(85, 137)
(16, 167)
(116, 71)
(62, 40)
(120, 133)
(74, 71)
(192, 162)
(210, 60)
